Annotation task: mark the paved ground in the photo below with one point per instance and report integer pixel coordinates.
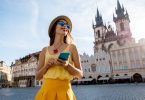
(84, 92)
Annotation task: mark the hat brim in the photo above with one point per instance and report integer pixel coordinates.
(58, 18)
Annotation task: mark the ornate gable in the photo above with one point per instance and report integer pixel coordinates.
(32, 59)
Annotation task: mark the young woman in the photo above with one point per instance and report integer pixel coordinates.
(58, 73)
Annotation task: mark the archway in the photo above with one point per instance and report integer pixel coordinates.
(99, 81)
(137, 78)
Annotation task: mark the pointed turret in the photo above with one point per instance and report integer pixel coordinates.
(120, 10)
(98, 18)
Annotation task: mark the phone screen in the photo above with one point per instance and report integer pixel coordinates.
(64, 55)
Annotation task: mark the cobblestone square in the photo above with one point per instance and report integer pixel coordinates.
(84, 92)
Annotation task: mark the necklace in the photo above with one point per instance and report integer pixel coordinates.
(56, 49)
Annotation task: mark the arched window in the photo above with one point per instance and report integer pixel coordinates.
(122, 26)
(98, 33)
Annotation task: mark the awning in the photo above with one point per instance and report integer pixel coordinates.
(104, 78)
(83, 79)
(122, 77)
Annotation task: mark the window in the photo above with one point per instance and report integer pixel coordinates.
(120, 66)
(98, 69)
(119, 58)
(89, 69)
(37, 82)
(107, 69)
(131, 56)
(124, 57)
(118, 51)
(98, 33)
(102, 69)
(138, 64)
(115, 67)
(137, 56)
(114, 58)
(85, 70)
(122, 26)
(132, 65)
(125, 66)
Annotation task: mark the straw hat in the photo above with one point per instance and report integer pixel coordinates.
(58, 18)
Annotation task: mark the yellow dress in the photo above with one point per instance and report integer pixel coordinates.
(56, 82)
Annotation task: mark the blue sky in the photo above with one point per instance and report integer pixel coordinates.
(24, 23)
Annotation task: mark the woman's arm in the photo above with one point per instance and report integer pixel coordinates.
(75, 70)
(42, 69)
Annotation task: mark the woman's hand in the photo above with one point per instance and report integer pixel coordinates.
(62, 63)
(56, 62)
(50, 63)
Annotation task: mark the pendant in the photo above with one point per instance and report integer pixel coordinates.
(55, 51)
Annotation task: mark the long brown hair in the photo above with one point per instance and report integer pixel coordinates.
(68, 39)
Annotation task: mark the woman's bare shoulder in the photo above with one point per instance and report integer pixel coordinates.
(73, 48)
(43, 50)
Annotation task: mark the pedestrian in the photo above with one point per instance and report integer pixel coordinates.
(57, 73)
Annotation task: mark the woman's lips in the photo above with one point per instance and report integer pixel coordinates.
(64, 29)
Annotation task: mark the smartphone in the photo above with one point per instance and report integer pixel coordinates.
(64, 55)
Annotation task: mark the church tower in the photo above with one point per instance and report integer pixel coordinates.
(99, 30)
(122, 24)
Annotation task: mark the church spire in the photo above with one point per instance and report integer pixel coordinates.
(119, 10)
(98, 18)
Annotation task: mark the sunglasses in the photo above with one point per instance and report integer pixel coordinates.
(61, 23)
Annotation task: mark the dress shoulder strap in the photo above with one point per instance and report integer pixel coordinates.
(68, 48)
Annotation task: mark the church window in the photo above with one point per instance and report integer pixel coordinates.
(122, 26)
(98, 33)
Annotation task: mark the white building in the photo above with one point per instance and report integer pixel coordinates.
(5, 73)
(24, 71)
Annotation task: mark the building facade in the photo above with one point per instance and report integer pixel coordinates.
(24, 71)
(5, 74)
(116, 54)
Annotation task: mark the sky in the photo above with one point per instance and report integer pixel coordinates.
(24, 23)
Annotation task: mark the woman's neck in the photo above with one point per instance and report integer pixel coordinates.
(58, 41)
